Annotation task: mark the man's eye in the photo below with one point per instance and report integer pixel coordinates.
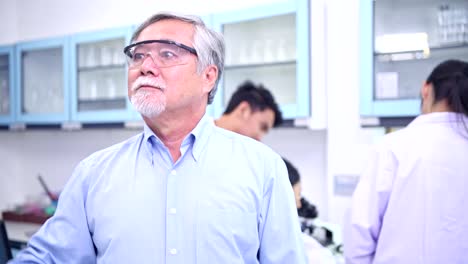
(138, 56)
(167, 54)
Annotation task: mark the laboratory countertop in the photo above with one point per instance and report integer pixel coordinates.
(33, 218)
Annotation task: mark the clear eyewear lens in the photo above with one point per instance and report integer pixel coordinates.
(162, 54)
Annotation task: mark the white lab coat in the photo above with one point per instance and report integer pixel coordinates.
(411, 204)
(316, 253)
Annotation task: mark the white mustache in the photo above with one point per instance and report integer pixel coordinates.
(147, 81)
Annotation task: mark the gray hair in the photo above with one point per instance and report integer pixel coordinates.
(208, 43)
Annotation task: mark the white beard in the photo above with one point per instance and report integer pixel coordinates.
(148, 104)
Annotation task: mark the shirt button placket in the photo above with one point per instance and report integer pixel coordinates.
(171, 220)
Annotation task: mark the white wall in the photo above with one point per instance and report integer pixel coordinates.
(51, 153)
(54, 154)
(37, 19)
(8, 27)
(348, 143)
(306, 150)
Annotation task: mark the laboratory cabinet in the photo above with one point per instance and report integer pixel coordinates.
(81, 78)
(401, 42)
(6, 84)
(98, 77)
(269, 45)
(41, 76)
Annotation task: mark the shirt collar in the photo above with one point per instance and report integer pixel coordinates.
(439, 117)
(198, 136)
(202, 133)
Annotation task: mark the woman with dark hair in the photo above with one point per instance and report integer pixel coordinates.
(304, 208)
(410, 204)
(316, 252)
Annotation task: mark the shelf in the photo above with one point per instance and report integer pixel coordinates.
(450, 46)
(101, 104)
(258, 65)
(401, 56)
(418, 55)
(442, 47)
(387, 122)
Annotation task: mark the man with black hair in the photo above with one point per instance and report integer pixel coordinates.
(252, 111)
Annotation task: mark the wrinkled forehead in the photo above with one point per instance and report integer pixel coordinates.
(170, 29)
(156, 46)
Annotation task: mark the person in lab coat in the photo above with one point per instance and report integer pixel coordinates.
(252, 111)
(410, 204)
(182, 191)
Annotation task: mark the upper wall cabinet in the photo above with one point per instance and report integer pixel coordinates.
(268, 45)
(99, 76)
(402, 41)
(41, 75)
(6, 84)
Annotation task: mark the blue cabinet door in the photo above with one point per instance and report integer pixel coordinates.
(98, 78)
(269, 45)
(42, 71)
(370, 105)
(6, 84)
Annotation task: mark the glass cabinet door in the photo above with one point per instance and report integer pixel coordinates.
(99, 78)
(42, 78)
(410, 37)
(42, 94)
(266, 45)
(262, 50)
(6, 85)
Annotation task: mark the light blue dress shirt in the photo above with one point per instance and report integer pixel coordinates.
(410, 206)
(226, 200)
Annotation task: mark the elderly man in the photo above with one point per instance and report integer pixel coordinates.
(183, 190)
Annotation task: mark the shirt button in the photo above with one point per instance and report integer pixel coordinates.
(173, 251)
(173, 172)
(173, 211)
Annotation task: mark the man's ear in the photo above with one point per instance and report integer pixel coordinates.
(425, 91)
(210, 75)
(426, 98)
(244, 110)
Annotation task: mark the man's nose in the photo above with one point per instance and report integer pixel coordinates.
(149, 66)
